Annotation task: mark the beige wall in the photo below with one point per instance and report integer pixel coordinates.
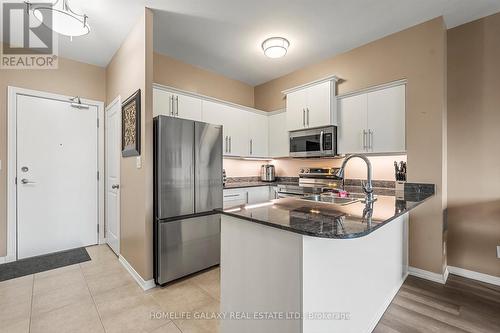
(473, 136)
(419, 55)
(129, 70)
(171, 72)
(71, 78)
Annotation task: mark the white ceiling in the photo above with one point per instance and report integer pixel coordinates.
(225, 35)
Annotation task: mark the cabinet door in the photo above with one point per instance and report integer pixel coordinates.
(258, 194)
(162, 103)
(319, 101)
(238, 129)
(352, 124)
(295, 110)
(386, 120)
(258, 135)
(215, 113)
(278, 136)
(187, 107)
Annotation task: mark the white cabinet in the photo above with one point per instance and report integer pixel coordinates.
(235, 127)
(258, 194)
(176, 105)
(296, 110)
(162, 103)
(351, 132)
(247, 195)
(386, 120)
(258, 134)
(373, 122)
(311, 106)
(279, 141)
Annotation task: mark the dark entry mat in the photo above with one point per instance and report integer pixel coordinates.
(42, 263)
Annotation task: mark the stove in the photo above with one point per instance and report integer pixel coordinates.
(311, 181)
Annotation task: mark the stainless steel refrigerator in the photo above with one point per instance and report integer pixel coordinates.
(187, 190)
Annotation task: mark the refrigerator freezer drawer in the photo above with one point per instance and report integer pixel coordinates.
(187, 246)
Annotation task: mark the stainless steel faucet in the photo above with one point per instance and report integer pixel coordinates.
(367, 187)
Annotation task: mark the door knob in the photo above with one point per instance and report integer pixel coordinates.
(115, 186)
(26, 181)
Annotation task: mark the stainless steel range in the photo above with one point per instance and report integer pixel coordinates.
(311, 181)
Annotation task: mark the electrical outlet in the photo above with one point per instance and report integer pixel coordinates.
(498, 251)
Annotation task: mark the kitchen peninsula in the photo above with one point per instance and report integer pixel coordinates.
(324, 267)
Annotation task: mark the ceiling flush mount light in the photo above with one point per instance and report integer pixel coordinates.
(275, 47)
(64, 20)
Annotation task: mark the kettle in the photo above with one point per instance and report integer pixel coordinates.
(267, 173)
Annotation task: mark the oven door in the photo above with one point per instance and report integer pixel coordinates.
(314, 143)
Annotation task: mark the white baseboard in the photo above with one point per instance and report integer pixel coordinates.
(474, 275)
(386, 304)
(431, 276)
(145, 285)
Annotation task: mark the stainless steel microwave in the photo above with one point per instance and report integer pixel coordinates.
(316, 142)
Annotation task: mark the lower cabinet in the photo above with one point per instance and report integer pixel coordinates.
(247, 195)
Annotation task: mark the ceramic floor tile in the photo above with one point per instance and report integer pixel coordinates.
(130, 314)
(181, 297)
(57, 271)
(16, 326)
(15, 303)
(17, 286)
(169, 328)
(204, 320)
(97, 269)
(101, 253)
(106, 282)
(79, 317)
(60, 297)
(68, 278)
(209, 281)
(129, 290)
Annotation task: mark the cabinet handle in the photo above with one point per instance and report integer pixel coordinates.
(230, 145)
(225, 147)
(370, 139)
(247, 197)
(307, 116)
(177, 105)
(321, 142)
(303, 117)
(251, 146)
(364, 139)
(171, 111)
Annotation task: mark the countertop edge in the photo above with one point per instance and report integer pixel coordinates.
(350, 236)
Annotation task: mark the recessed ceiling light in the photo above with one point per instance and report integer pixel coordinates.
(275, 47)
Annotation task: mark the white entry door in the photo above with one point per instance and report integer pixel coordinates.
(113, 149)
(57, 185)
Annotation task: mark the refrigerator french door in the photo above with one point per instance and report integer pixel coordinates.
(187, 190)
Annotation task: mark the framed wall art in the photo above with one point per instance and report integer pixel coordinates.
(131, 125)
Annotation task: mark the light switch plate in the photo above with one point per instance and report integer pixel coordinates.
(138, 162)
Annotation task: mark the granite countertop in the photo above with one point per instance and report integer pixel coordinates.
(332, 220)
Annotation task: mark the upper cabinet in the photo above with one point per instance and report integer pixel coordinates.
(258, 134)
(279, 141)
(311, 105)
(373, 122)
(176, 105)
